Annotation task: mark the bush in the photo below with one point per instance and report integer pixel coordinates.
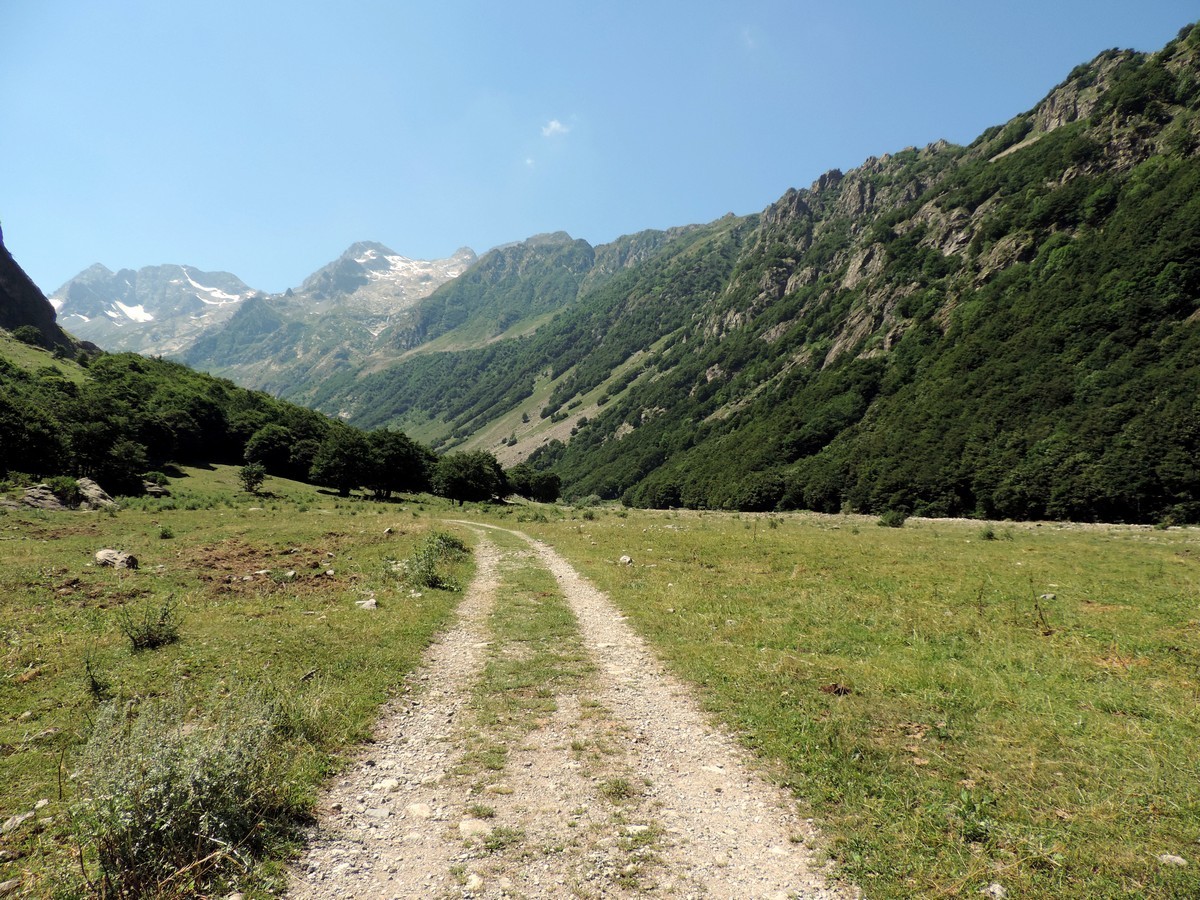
(28, 334)
(172, 798)
(252, 476)
(66, 489)
(893, 518)
(421, 569)
(150, 628)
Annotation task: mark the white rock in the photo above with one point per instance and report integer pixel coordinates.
(994, 890)
(387, 785)
(366, 604)
(1170, 859)
(474, 882)
(419, 810)
(627, 560)
(471, 828)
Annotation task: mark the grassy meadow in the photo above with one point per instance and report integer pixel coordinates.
(262, 592)
(960, 704)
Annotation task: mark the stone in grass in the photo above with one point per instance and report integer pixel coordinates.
(994, 890)
(12, 823)
(627, 560)
(1170, 859)
(473, 828)
(118, 559)
(369, 603)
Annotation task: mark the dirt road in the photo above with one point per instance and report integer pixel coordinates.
(622, 790)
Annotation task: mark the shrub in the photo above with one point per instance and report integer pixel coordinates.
(149, 628)
(173, 798)
(252, 476)
(66, 489)
(893, 518)
(28, 334)
(421, 569)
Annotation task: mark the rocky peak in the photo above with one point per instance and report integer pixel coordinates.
(1076, 97)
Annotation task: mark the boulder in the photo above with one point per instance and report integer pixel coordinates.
(94, 496)
(118, 559)
(41, 497)
(153, 489)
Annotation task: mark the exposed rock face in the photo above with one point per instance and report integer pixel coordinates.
(22, 303)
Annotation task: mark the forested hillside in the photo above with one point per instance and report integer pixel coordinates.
(1007, 329)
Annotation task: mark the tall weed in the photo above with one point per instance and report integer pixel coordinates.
(174, 799)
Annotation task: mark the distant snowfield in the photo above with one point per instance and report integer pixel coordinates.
(135, 313)
(221, 297)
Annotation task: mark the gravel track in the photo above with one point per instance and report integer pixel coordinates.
(692, 818)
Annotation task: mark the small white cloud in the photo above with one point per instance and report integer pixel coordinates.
(529, 161)
(554, 128)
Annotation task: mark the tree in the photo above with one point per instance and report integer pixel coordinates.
(342, 460)
(252, 476)
(397, 463)
(271, 446)
(473, 476)
(543, 487)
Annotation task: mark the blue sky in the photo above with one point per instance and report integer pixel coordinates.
(263, 138)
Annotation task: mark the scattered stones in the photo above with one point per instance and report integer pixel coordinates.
(118, 559)
(1170, 859)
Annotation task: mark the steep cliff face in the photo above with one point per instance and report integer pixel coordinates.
(22, 303)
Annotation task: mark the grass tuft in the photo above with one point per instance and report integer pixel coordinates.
(150, 627)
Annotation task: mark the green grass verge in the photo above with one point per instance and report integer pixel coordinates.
(264, 590)
(957, 708)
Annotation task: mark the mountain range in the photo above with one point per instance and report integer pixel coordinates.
(164, 310)
(1005, 329)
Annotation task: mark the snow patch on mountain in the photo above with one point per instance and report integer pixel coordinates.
(135, 313)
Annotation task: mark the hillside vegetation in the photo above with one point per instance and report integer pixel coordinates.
(1007, 329)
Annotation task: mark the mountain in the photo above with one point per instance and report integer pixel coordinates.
(22, 305)
(166, 310)
(1007, 329)
(155, 310)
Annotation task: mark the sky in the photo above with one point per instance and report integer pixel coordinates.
(263, 138)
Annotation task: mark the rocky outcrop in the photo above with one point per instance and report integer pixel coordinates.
(23, 303)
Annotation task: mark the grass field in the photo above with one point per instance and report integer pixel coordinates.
(264, 591)
(960, 704)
